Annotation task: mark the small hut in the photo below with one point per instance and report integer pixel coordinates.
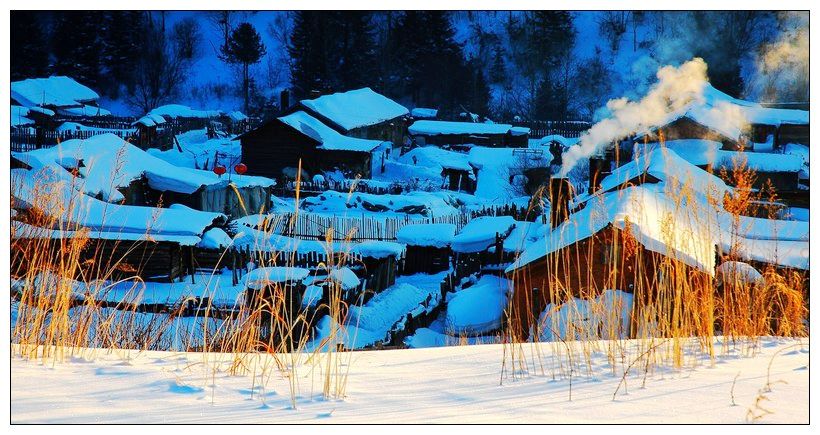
(428, 247)
(360, 113)
(379, 263)
(147, 131)
(465, 134)
(619, 243)
(481, 243)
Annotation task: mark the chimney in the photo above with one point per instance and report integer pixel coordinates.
(284, 99)
(599, 168)
(560, 193)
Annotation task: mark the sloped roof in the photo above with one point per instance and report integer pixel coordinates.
(356, 108)
(432, 128)
(59, 91)
(672, 170)
(329, 138)
(660, 224)
(179, 111)
(110, 162)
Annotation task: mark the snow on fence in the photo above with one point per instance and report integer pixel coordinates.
(27, 139)
(546, 128)
(312, 226)
(311, 188)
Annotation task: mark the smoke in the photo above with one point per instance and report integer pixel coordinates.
(782, 67)
(675, 88)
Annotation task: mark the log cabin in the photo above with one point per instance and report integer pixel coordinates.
(428, 247)
(276, 147)
(467, 134)
(628, 240)
(360, 113)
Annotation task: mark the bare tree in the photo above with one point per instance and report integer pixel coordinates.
(187, 38)
(159, 71)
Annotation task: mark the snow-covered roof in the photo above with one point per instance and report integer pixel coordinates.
(170, 111)
(19, 116)
(356, 108)
(566, 142)
(150, 120)
(84, 110)
(660, 224)
(377, 249)
(237, 116)
(687, 229)
(110, 162)
(59, 91)
(432, 235)
(479, 234)
(731, 116)
(25, 231)
(702, 152)
(672, 170)
(263, 276)
(54, 194)
(424, 112)
(433, 156)
(329, 138)
(432, 128)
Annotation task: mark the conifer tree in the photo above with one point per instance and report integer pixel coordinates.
(244, 48)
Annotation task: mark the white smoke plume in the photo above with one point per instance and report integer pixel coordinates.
(782, 67)
(676, 87)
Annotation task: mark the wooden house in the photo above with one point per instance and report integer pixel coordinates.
(624, 241)
(275, 148)
(428, 247)
(360, 113)
(378, 265)
(466, 134)
(458, 177)
(61, 95)
(480, 244)
(780, 171)
(148, 131)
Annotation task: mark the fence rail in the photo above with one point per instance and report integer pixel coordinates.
(357, 228)
(545, 128)
(312, 226)
(311, 188)
(27, 139)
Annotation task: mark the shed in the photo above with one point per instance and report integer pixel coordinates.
(379, 263)
(428, 247)
(461, 134)
(277, 146)
(360, 113)
(632, 239)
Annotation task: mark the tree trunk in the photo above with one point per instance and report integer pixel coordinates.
(245, 85)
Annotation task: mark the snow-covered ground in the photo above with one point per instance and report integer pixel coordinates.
(439, 385)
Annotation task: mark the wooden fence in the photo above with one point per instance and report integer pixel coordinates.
(27, 139)
(287, 189)
(312, 226)
(540, 129)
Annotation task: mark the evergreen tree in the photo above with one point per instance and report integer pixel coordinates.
(498, 72)
(429, 66)
(332, 51)
(244, 48)
(125, 36)
(29, 45)
(79, 47)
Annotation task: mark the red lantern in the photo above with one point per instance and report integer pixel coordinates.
(219, 170)
(240, 168)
